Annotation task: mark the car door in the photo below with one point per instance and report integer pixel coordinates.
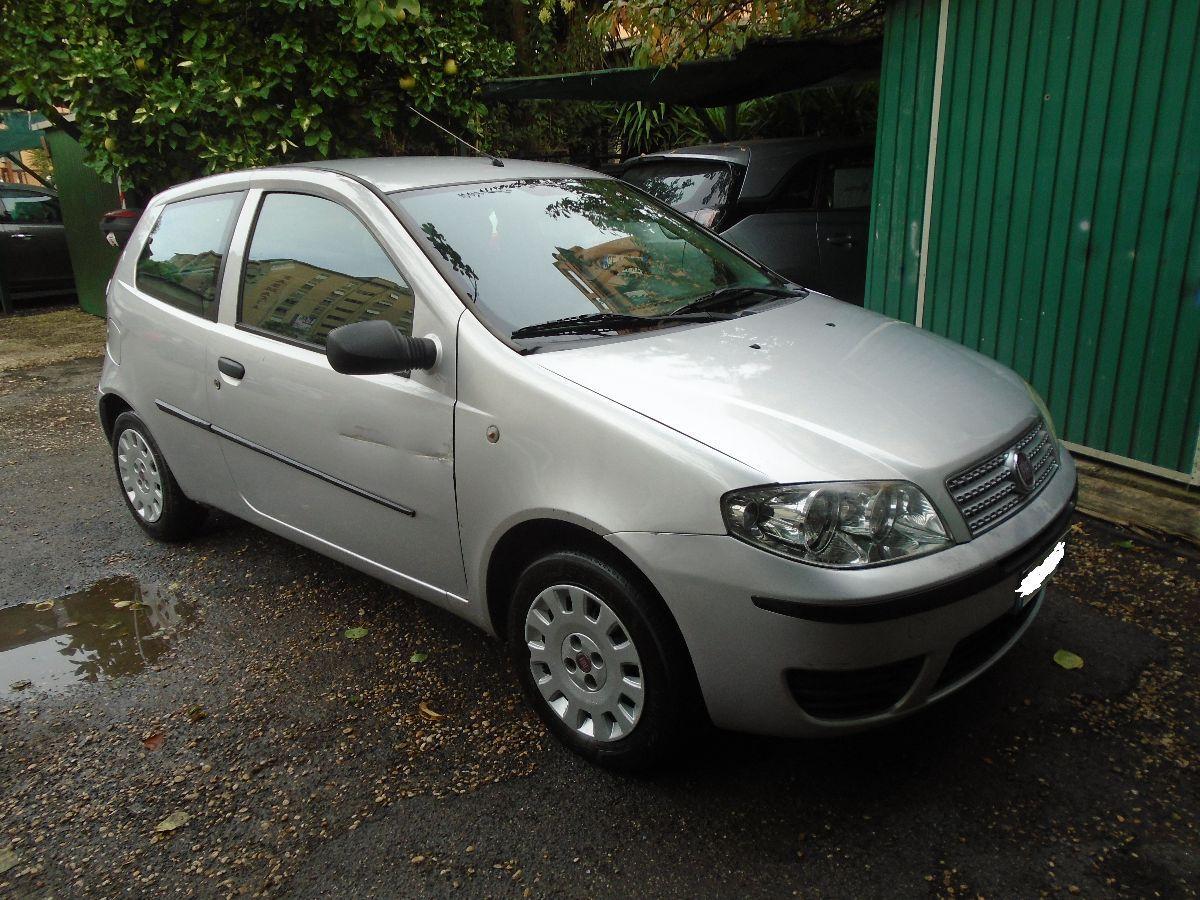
(843, 221)
(782, 234)
(359, 467)
(34, 241)
(162, 309)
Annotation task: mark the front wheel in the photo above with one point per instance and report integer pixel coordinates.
(600, 660)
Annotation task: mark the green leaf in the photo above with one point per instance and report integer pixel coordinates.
(175, 820)
(355, 633)
(1068, 660)
(419, 657)
(8, 859)
(1126, 545)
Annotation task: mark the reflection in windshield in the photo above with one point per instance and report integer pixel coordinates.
(533, 251)
(698, 189)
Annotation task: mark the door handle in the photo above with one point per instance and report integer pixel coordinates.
(231, 367)
(21, 236)
(842, 240)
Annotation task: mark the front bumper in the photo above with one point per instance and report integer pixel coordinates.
(788, 649)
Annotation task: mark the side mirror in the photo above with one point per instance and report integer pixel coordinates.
(116, 226)
(376, 347)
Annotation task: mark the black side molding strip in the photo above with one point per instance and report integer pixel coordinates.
(279, 457)
(908, 603)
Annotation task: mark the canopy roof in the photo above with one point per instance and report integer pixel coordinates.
(758, 70)
(17, 131)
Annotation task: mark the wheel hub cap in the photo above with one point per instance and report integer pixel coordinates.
(140, 477)
(584, 663)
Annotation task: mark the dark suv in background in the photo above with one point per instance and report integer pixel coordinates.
(33, 243)
(801, 206)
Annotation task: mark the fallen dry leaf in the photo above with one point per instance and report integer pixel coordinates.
(154, 741)
(429, 712)
(8, 859)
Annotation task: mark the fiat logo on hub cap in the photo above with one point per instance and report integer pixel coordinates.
(585, 664)
(1020, 468)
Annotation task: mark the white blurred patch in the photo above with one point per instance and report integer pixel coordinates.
(1033, 582)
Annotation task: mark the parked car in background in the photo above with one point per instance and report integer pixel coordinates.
(800, 206)
(674, 482)
(33, 243)
(116, 225)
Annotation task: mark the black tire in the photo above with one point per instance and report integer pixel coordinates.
(177, 518)
(669, 700)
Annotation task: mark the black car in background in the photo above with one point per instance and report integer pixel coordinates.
(33, 243)
(801, 206)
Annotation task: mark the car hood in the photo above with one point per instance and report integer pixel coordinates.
(814, 389)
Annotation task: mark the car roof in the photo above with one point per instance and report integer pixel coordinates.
(27, 189)
(404, 173)
(766, 161)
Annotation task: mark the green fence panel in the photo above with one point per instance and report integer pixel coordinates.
(84, 197)
(1063, 234)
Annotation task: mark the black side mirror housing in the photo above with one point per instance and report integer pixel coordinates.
(376, 347)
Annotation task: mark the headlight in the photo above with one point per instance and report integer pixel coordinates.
(843, 524)
(1042, 408)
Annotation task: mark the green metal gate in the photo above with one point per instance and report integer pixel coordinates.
(1057, 231)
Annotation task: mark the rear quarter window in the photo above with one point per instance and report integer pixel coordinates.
(181, 259)
(700, 189)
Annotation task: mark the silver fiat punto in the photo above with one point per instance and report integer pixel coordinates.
(681, 488)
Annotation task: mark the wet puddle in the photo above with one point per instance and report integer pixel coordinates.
(112, 629)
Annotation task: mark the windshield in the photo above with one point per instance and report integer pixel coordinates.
(535, 251)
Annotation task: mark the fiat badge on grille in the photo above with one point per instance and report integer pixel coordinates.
(1020, 469)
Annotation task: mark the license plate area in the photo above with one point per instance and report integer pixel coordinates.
(1035, 577)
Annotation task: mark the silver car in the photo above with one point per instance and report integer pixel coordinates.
(681, 488)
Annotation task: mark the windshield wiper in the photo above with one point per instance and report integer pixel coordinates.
(731, 296)
(596, 323)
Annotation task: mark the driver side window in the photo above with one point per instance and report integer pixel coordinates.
(313, 266)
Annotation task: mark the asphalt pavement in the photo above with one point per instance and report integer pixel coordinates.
(265, 751)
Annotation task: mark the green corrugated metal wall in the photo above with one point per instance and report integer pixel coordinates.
(1064, 238)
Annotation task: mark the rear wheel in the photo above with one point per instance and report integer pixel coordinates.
(150, 490)
(600, 660)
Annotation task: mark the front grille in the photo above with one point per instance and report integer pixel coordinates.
(854, 693)
(987, 493)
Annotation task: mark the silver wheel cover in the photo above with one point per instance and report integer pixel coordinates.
(584, 662)
(140, 477)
